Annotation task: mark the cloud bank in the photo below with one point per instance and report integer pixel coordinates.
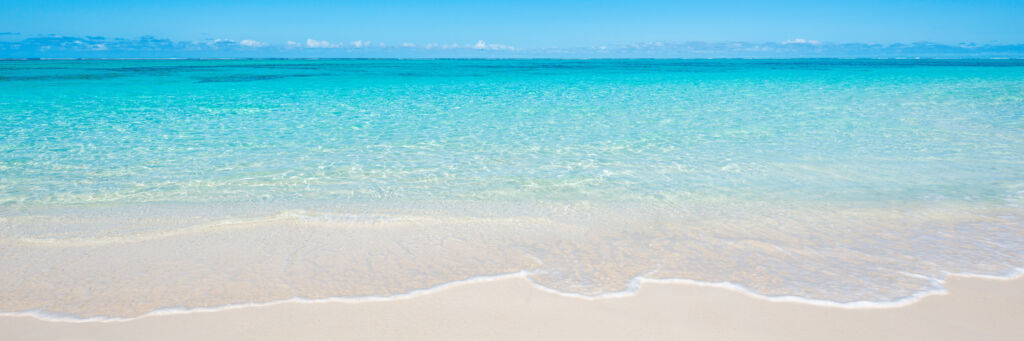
(55, 46)
(320, 44)
(252, 43)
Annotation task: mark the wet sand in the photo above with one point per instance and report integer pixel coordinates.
(512, 308)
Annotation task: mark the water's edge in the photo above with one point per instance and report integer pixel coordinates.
(634, 287)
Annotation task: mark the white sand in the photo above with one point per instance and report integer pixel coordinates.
(975, 309)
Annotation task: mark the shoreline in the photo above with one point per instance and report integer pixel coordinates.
(487, 308)
(633, 289)
(581, 250)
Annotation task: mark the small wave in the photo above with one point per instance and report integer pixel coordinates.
(161, 234)
(633, 288)
(297, 216)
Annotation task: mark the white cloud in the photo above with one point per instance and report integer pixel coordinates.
(292, 44)
(218, 42)
(801, 41)
(481, 45)
(252, 43)
(319, 44)
(359, 43)
(408, 45)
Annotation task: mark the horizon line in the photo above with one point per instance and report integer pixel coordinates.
(503, 58)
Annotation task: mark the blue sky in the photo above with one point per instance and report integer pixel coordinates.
(524, 25)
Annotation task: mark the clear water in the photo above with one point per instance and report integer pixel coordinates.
(833, 180)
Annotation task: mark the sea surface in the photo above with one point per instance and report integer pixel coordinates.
(134, 186)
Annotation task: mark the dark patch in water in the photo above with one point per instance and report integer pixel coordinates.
(60, 77)
(290, 66)
(246, 78)
(173, 68)
(33, 68)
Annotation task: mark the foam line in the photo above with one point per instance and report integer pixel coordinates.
(632, 289)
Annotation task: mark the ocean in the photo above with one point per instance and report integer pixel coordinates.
(134, 186)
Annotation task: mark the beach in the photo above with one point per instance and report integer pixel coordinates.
(513, 309)
(518, 199)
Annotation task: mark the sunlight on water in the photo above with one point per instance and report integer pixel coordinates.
(223, 182)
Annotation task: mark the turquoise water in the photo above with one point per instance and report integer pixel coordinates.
(876, 178)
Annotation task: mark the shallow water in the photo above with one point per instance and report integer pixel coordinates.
(130, 186)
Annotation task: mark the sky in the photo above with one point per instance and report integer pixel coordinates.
(525, 25)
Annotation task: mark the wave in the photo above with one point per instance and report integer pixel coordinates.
(886, 258)
(633, 289)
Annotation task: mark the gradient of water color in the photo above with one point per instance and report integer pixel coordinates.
(134, 185)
